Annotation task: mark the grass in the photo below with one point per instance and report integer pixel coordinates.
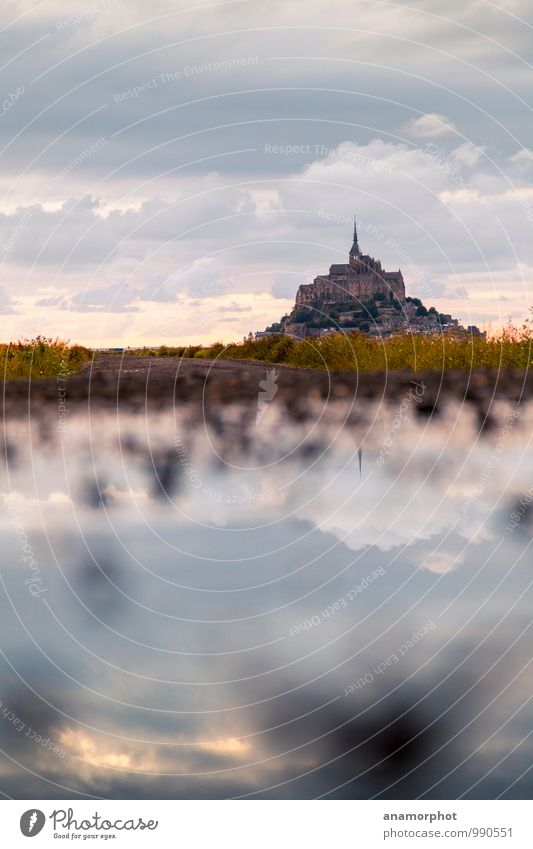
(41, 357)
(356, 351)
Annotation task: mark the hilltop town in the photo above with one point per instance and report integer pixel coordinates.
(361, 296)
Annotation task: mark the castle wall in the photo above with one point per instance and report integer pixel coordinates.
(360, 287)
(395, 284)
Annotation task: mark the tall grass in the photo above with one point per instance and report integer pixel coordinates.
(41, 357)
(356, 351)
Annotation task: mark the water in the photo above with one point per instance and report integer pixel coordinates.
(210, 604)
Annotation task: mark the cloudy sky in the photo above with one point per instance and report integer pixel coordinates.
(173, 171)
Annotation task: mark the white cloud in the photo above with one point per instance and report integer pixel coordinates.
(430, 126)
(523, 158)
(467, 154)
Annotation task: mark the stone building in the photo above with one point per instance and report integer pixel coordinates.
(359, 279)
(360, 296)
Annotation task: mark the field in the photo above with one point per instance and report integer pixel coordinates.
(41, 357)
(358, 352)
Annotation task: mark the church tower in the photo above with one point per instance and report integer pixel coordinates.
(355, 252)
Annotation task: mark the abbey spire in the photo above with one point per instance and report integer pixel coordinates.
(354, 250)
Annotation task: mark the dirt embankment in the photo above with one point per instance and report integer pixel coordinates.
(134, 382)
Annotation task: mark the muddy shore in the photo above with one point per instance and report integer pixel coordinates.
(131, 383)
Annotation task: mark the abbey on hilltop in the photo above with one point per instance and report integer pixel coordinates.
(360, 279)
(361, 295)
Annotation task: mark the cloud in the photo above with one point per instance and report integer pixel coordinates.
(434, 216)
(443, 560)
(6, 303)
(430, 126)
(467, 154)
(202, 279)
(117, 298)
(172, 199)
(523, 158)
(285, 285)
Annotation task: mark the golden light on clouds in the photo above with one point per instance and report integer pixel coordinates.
(231, 746)
(102, 754)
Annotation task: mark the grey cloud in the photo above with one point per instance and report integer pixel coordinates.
(116, 298)
(6, 303)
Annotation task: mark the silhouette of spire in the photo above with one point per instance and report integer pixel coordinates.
(355, 247)
(360, 458)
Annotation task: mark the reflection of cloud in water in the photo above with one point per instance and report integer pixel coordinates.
(163, 654)
(443, 560)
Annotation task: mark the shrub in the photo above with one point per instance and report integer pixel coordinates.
(301, 315)
(356, 350)
(210, 353)
(192, 350)
(41, 357)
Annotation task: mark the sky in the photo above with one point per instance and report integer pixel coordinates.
(171, 172)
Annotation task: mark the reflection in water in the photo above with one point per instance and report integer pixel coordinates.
(221, 604)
